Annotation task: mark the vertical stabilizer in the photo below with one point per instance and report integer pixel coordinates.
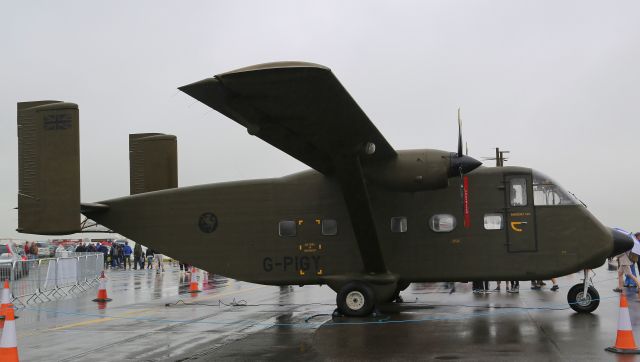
(49, 168)
(153, 162)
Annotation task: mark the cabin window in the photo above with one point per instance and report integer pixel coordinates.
(287, 228)
(493, 222)
(399, 224)
(442, 223)
(518, 192)
(329, 227)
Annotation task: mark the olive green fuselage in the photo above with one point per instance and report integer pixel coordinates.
(246, 244)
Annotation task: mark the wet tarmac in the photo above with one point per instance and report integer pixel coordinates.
(153, 318)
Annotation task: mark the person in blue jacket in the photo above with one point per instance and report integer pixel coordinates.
(127, 255)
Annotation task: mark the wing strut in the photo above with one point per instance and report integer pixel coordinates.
(356, 196)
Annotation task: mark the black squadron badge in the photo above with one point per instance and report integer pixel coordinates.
(208, 222)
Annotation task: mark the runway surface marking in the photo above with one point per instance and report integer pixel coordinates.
(142, 311)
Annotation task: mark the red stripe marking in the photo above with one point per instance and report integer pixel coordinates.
(467, 217)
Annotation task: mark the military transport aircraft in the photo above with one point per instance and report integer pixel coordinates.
(367, 220)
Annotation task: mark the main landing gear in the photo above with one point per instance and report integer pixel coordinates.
(355, 299)
(581, 301)
(359, 298)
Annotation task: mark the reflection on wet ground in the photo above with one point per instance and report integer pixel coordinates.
(153, 318)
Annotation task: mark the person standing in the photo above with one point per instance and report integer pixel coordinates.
(506, 286)
(33, 249)
(624, 268)
(115, 256)
(121, 255)
(515, 287)
(137, 257)
(126, 252)
(150, 254)
(158, 258)
(476, 287)
(112, 259)
(105, 251)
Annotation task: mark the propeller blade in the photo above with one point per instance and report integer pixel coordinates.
(459, 134)
(460, 164)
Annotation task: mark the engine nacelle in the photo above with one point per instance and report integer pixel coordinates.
(419, 170)
(412, 170)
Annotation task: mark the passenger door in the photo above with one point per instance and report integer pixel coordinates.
(520, 215)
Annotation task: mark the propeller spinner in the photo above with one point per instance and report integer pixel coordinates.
(460, 163)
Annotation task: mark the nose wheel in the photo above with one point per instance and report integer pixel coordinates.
(583, 298)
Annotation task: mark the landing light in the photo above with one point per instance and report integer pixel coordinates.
(370, 148)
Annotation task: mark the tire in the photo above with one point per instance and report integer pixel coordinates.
(356, 299)
(576, 302)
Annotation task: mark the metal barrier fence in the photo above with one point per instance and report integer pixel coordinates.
(40, 280)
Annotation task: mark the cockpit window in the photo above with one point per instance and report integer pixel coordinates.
(547, 192)
(518, 192)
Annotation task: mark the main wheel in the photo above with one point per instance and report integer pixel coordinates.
(356, 299)
(583, 302)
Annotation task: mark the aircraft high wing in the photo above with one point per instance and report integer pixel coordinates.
(299, 108)
(303, 110)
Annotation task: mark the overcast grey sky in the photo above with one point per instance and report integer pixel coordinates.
(555, 82)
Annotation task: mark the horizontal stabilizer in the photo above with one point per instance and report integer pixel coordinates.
(48, 168)
(153, 162)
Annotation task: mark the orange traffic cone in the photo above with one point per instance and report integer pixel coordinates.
(9, 340)
(625, 342)
(193, 286)
(102, 290)
(5, 302)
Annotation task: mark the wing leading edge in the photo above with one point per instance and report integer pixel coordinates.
(299, 108)
(303, 110)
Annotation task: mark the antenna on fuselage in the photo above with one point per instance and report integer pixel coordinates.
(500, 159)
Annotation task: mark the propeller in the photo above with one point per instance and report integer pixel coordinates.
(460, 163)
(459, 135)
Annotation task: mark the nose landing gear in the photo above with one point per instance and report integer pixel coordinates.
(581, 301)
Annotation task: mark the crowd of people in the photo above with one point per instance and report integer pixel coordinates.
(31, 250)
(119, 257)
(512, 286)
(116, 256)
(627, 277)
